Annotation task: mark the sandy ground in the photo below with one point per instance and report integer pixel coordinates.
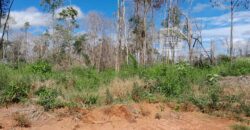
(142, 116)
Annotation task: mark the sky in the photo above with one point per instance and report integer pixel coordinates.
(215, 21)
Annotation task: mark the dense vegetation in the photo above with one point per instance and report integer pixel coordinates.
(181, 83)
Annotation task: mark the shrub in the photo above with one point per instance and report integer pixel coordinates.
(90, 100)
(239, 67)
(223, 59)
(16, 91)
(41, 66)
(137, 93)
(48, 98)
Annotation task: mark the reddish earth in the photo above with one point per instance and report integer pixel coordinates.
(141, 116)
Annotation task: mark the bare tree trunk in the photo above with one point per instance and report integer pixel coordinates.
(231, 30)
(117, 64)
(5, 25)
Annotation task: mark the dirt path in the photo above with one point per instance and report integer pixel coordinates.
(118, 117)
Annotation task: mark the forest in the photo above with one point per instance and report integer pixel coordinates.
(150, 64)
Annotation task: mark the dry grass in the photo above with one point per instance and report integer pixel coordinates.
(121, 88)
(22, 120)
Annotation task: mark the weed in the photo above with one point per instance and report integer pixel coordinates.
(41, 66)
(48, 98)
(16, 91)
(90, 100)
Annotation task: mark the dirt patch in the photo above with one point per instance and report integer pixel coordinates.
(141, 116)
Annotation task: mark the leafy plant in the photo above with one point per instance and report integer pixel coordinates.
(15, 91)
(41, 66)
(48, 98)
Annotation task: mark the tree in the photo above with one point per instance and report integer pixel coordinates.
(66, 24)
(121, 36)
(51, 6)
(5, 8)
(233, 6)
(139, 25)
(26, 28)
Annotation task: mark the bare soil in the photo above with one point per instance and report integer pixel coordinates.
(141, 116)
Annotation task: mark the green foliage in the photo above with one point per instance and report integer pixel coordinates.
(15, 91)
(42, 67)
(4, 77)
(48, 98)
(132, 61)
(51, 5)
(172, 81)
(137, 93)
(240, 127)
(222, 59)
(239, 67)
(90, 100)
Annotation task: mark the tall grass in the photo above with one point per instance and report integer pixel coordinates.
(174, 82)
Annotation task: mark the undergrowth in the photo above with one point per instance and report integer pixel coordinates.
(180, 83)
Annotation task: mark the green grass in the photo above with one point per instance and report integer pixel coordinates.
(240, 127)
(81, 84)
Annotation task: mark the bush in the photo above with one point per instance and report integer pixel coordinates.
(239, 67)
(90, 100)
(223, 59)
(137, 93)
(15, 91)
(41, 66)
(48, 98)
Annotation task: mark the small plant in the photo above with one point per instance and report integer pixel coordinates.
(90, 100)
(109, 97)
(16, 91)
(48, 98)
(41, 66)
(22, 120)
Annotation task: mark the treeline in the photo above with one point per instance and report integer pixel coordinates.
(131, 36)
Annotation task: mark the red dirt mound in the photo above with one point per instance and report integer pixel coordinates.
(142, 116)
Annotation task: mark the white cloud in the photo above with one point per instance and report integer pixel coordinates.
(200, 7)
(31, 15)
(224, 20)
(35, 17)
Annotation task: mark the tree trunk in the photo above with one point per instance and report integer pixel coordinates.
(231, 31)
(5, 25)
